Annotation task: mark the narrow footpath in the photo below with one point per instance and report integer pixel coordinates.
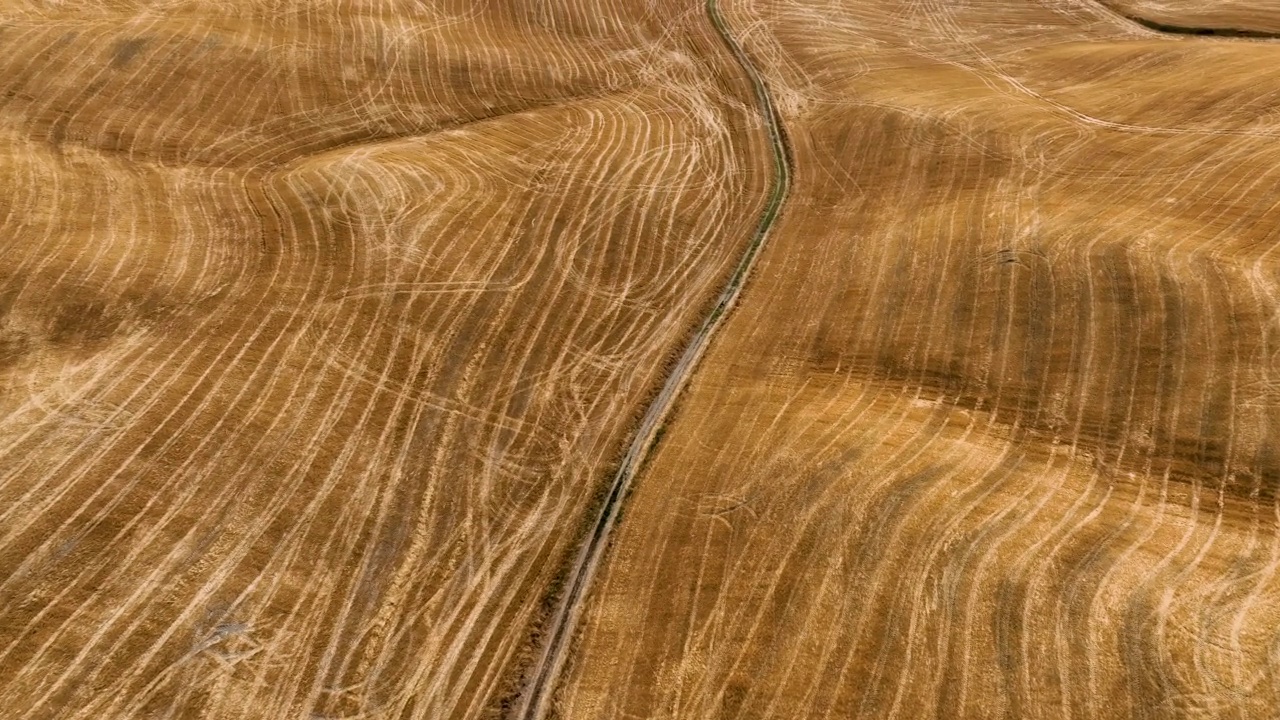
(546, 672)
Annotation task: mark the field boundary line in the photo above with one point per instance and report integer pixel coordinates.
(550, 663)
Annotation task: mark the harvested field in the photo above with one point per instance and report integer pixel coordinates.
(993, 430)
(321, 326)
(663, 359)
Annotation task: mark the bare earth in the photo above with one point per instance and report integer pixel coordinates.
(324, 324)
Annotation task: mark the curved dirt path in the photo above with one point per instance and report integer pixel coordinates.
(547, 670)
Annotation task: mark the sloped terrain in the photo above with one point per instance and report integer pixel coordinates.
(324, 326)
(992, 433)
(321, 325)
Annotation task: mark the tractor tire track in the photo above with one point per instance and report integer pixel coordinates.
(550, 662)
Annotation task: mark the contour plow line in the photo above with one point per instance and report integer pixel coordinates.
(536, 695)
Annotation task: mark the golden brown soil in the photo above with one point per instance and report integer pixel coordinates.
(320, 325)
(993, 432)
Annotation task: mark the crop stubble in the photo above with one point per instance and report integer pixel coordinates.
(992, 431)
(320, 323)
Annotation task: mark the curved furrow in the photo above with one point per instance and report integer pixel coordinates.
(545, 672)
(318, 322)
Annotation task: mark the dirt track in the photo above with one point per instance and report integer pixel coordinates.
(546, 672)
(324, 324)
(321, 324)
